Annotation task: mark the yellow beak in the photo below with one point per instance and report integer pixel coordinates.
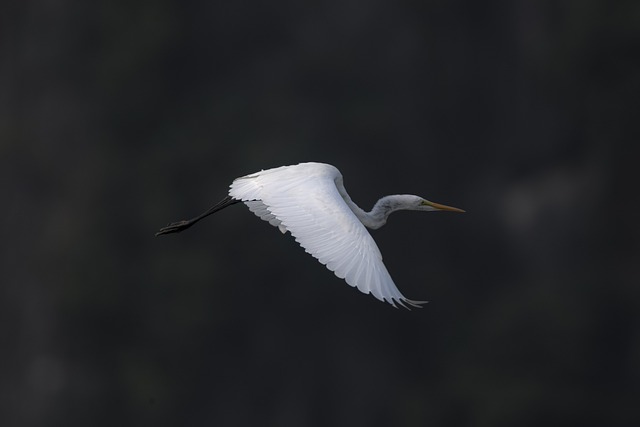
(440, 207)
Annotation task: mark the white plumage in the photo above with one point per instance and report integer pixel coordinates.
(309, 200)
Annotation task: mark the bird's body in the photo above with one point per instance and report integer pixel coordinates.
(309, 200)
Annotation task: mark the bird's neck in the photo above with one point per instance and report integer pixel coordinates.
(385, 207)
(377, 216)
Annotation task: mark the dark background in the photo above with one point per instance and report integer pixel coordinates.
(117, 117)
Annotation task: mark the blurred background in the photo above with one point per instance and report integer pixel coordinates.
(117, 117)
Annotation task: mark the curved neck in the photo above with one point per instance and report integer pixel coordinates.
(374, 219)
(378, 215)
(382, 209)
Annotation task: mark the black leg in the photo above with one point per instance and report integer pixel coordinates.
(176, 227)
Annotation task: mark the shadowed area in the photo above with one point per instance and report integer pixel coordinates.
(118, 117)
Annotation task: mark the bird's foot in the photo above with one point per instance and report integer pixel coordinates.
(174, 227)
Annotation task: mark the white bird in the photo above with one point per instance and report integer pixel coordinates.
(309, 200)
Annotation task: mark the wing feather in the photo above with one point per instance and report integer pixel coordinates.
(261, 210)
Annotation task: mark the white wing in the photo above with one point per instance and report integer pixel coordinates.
(304, 200)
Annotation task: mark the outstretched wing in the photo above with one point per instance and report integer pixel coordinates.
(304, 200)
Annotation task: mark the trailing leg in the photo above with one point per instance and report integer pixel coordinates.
(176, 227)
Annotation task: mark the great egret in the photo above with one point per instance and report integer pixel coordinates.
(309, 200)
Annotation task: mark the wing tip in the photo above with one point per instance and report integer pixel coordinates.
(399, 301)
(407, 303)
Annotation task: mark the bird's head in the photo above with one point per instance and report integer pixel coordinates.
(389, 204)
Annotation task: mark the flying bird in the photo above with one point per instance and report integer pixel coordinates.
(309, 200)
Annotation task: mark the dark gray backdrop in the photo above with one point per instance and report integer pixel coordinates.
(117, 117)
